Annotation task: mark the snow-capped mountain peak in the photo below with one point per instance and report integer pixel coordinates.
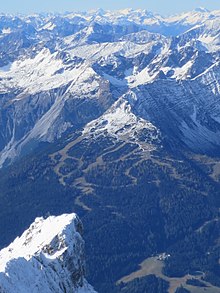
(119, 122)
(202, 9)
(48, 257)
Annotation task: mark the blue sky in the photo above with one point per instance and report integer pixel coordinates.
(161, 6)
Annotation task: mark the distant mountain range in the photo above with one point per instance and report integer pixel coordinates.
(59, 72)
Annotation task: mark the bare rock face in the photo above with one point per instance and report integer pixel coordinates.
(48, 257)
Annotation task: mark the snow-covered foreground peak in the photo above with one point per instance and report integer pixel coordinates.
(48, 257)
(37, 236)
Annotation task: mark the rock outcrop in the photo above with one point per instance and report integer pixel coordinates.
(48, 257)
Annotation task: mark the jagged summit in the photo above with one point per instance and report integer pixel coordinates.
(47, 257)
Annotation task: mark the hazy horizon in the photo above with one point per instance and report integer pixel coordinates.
(55, 6)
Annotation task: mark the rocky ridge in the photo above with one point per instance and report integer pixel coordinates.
(47, 257)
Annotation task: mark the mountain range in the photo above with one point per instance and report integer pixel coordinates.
(115, 115)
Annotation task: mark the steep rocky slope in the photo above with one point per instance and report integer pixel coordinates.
(47, 257)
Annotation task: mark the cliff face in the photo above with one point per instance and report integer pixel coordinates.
(48, 257)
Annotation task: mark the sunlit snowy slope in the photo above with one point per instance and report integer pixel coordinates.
(48, 257)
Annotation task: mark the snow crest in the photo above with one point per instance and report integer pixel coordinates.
(48, 257)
